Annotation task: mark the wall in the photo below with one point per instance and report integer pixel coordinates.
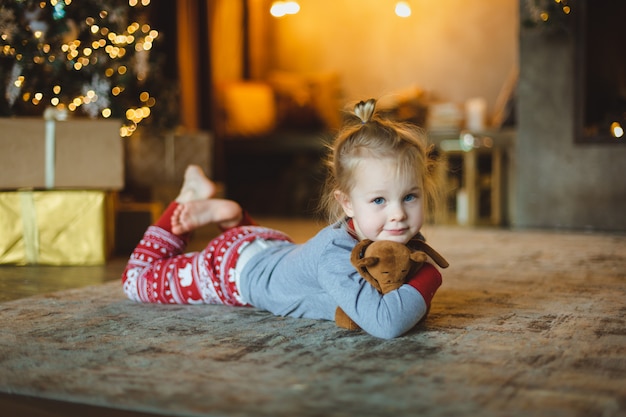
(560, 184)
(453, 48)
(226, 40)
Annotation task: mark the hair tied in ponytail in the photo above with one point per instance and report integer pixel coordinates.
(364, 110)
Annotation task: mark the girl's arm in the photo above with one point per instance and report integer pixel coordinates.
(390, 315)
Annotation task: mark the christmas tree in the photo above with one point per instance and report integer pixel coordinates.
(89, 57)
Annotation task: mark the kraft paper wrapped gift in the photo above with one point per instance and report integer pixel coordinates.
(86, 154)
(56, 227)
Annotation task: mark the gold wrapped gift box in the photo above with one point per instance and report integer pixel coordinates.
(56, 227)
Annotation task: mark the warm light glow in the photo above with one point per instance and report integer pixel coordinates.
(403, 9)
(83, 55)
(126, 131)
(617, 130)
(467, 141)
(282, 8)
(37, 98)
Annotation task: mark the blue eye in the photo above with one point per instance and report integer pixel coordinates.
(410, 197)
(378, 200)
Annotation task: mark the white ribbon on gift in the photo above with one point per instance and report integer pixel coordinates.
(30, 229)
(51, 115)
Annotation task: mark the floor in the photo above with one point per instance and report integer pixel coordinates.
(28, 280)
(527, 324)
(24, 281)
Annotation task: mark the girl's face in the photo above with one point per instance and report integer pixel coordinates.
(384, 205)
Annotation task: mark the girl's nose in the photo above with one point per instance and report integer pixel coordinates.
(397, 213)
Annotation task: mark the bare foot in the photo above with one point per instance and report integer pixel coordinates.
(196, 186)
(193, 214)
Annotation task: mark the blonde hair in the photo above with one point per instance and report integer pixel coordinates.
(368, 135)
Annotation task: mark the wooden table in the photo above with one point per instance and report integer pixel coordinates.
(470, 147)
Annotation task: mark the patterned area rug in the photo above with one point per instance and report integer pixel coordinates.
(526, 324)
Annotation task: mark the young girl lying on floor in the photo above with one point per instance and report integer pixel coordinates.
(380, 181)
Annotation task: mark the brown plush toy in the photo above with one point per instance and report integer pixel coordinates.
(385, 265)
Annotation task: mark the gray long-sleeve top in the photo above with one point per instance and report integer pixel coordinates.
(312, 279)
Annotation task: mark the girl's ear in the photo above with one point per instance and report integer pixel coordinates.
(345, 203)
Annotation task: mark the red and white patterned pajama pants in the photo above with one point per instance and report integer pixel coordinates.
(160, 272)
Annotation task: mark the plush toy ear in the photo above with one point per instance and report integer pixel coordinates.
(367, 262)
(362, 265)
(418, 256)
(425, 247)
(358, 252)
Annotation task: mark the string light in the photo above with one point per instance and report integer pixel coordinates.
(74, 51)
(546, 11)
(616, 130)
(403, 9)
(283, 8)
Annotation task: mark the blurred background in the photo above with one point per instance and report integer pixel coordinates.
(524, 99)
